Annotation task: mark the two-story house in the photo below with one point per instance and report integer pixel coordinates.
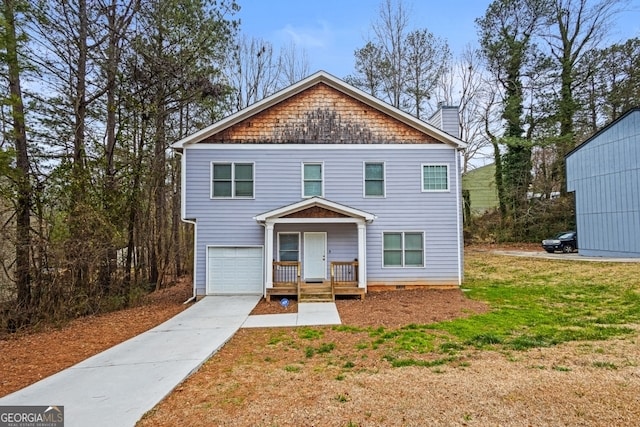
(323, 188)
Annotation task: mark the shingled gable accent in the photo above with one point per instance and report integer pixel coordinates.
(309, 208)
(321, 115)
(316, 212)
(321, 109)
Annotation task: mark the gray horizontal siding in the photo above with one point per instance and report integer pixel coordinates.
(605, 175)
(446, 118)
(342, 240)
(278, 183)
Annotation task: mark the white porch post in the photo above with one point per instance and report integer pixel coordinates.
(268, 254)
(362, 255)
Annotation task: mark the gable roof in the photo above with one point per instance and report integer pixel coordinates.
(604, 129)
(334, 83)
(315, 202)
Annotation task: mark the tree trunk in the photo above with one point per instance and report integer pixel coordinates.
(159, 176)
(24, 190)
(499, 181)
(80, 180)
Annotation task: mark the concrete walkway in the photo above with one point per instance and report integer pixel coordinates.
(117, 386)
(309, 313)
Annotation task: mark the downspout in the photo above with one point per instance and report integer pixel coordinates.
(183, 181)
(458, 216)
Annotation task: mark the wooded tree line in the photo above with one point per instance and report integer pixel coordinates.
(541, 79)
(95, 91)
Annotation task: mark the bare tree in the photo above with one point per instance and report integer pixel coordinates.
(427, 58)
(294, 63)
(464, 85)
(574, 27)
(390, 31)
(400, 65)
(253, 71)
(256, 70)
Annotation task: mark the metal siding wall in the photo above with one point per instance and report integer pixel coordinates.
(605, 175)
(278, 183)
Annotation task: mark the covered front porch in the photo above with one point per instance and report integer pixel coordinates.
(287, 281)
(315, 249)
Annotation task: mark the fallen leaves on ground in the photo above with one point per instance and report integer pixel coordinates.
(26, 358)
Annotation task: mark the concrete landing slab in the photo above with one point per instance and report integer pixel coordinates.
(309, 314)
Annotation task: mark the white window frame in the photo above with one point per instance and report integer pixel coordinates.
(425, 190)
(233, 180)
(288, 232)
(302, 180)
(403, 249)
(364, 180)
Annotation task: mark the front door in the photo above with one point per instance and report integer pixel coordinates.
(315, 256)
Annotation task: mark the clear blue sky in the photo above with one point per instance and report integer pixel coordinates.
(331, 30)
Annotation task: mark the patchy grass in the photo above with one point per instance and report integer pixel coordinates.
(537, 303)
(534, 304)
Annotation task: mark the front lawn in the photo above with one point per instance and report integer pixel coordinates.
(558, 345)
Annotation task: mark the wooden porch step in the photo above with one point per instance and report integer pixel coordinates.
(315, 293)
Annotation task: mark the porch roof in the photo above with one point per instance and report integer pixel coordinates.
(347, 213)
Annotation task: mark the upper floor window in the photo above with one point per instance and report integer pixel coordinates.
(232, 180)
(374, 179)
(435, 178)
(403, 249)
(312, 179)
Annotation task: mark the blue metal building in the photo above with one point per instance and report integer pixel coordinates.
(604, 173)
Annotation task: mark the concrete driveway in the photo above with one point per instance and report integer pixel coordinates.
(561, 256)
(116, 387)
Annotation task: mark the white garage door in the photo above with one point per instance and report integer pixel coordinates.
(233, 270)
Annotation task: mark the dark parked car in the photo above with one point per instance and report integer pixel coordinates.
(567, 241)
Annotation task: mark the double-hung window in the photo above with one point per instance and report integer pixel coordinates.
(403, 249)
(435, 178)
(373, 179)
(312, 178)
(288, 246)
(232, 180)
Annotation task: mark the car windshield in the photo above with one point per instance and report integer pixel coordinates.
(564, 236)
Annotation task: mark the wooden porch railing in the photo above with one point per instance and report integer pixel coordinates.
(344, 273)
(286, 273)
(287, 281)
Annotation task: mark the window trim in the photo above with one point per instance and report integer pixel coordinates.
(302, 180)
(446, 190)
(233, 180)
(403, 249)
(297, 233)
(364, 180)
